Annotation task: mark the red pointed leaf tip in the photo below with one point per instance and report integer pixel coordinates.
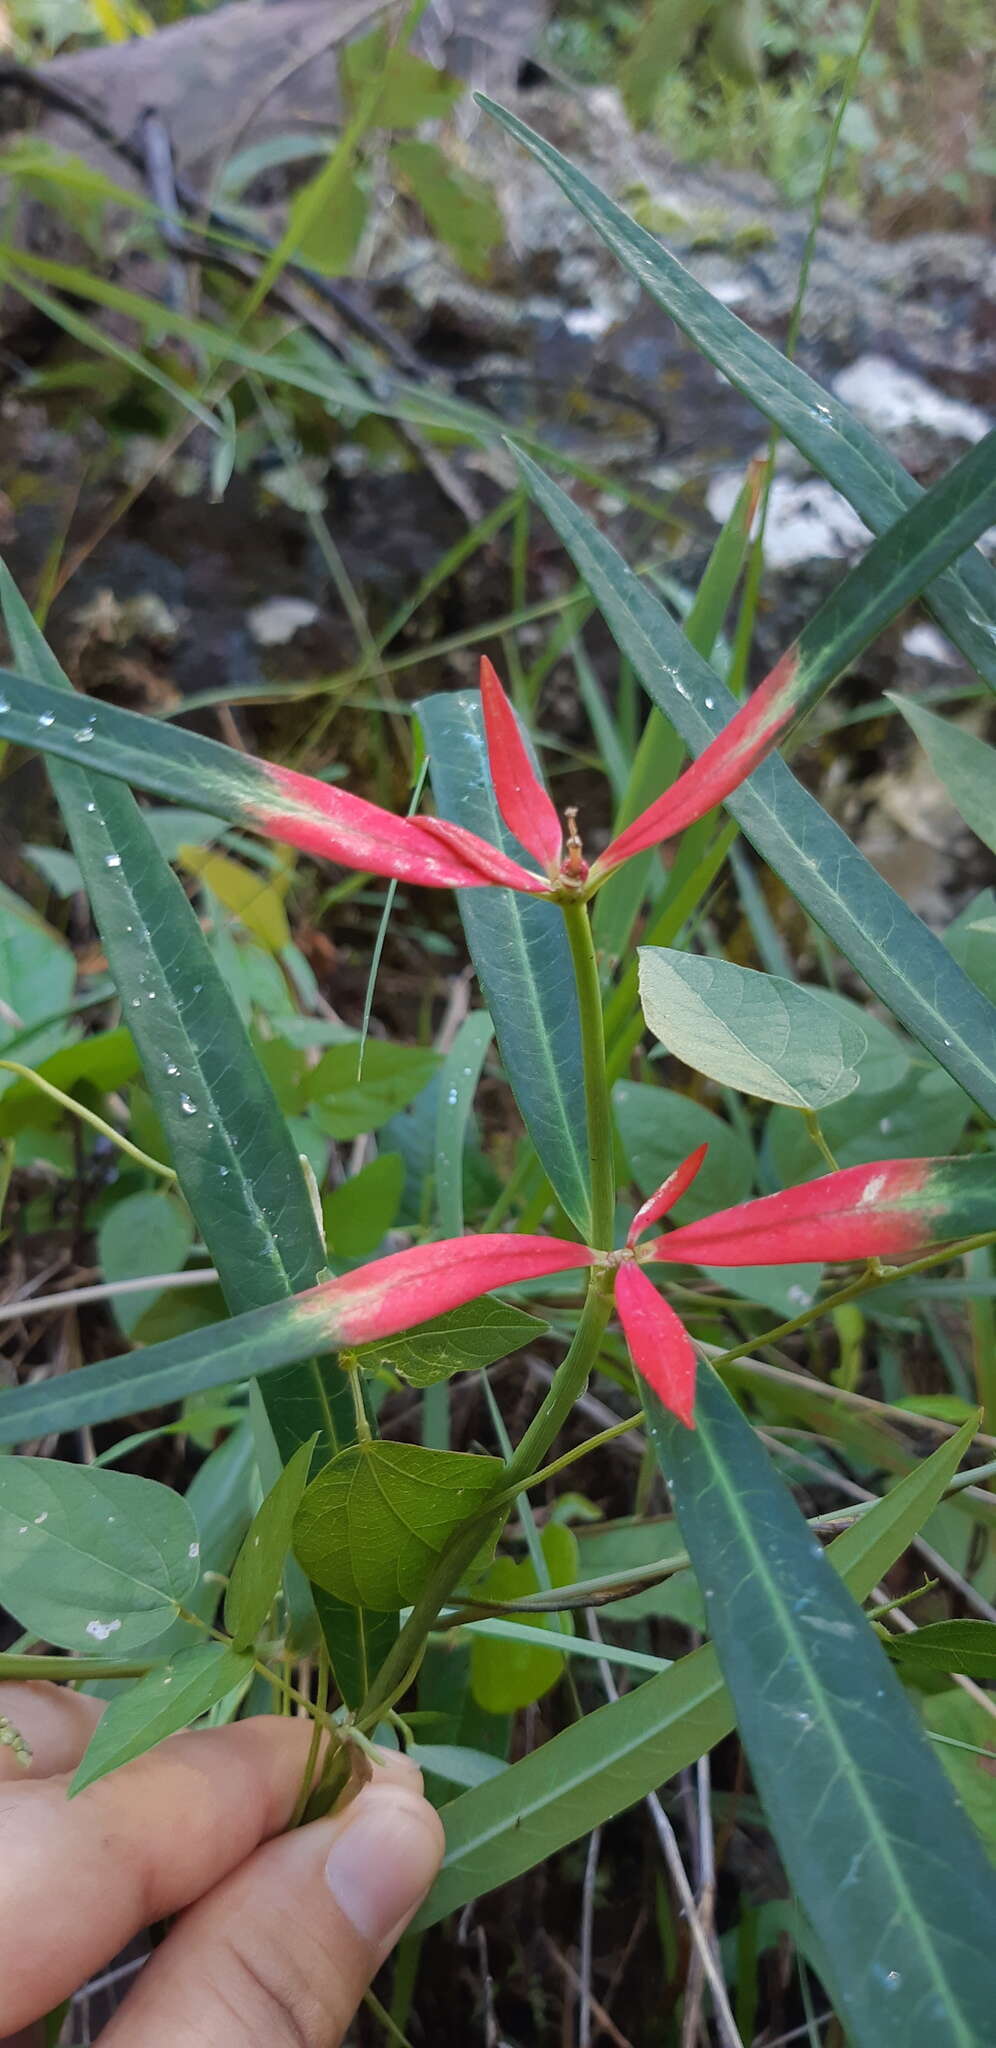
(391, 1294)
(727, 762)
(330, 822)
(522, 799)
(886, 1210)
(669, 1192)
(659, 1344)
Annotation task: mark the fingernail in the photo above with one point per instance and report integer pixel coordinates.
(384, 1859)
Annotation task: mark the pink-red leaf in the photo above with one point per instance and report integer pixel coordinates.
(409, 1287)
(669, 1192)
(659, 1344)
(522, 799)
(331, 822)
(727, 762)
(892, 1209)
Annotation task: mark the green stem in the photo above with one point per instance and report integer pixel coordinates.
(596, 1087)
(70, 1670)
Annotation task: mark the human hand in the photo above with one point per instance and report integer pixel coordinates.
(274, 1943)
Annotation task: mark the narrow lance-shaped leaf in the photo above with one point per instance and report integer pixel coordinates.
(892, 1209)
(893, 572)
(524, 804)
(358, 1308)
(318, 817)
(839, 447)
(523, 962)
(904, 962)
(883, 1862)
(166, 1700)
(231, 1146)
(616, 1755)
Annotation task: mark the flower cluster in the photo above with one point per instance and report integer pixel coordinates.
(892, 1209)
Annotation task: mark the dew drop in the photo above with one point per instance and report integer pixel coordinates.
(47, 718)
(85, 733)
(112, 860)
(136, 1002)
(189, 1108)
(223, 1172)
(4, 704)
(171, 1067)
(91, 808)
(710, 703)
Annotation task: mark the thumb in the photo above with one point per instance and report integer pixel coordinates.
(282, 1951)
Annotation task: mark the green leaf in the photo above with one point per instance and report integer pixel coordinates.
(972, 941)
(258, 1569)
(142, 1233)
(963, 599)
(359, 1214)
(618, 1754)
(461, 209)
(924, 1117)
(392, 1076)
(523, 963)
(234, 1156)
(374, 1522)
(329, 243)
(465, 1340)
(962, 761)
(659, 1128)
(106, 1060)
(456, 1764)
(754, 1032)
(166, 1700)
(958, 1719)
(900, 959)
(37, 975)
(871, 1839)
(411, 91)
(257, 903)
(92, 1560)
(506, 1676)
(967, 1646)
(458, 1084)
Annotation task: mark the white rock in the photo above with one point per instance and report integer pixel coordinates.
(277, 619)
(891, 398)
(807, 521)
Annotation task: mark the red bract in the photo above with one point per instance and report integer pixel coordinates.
(726, 763)
(522, 799)
(411, 1286)
(888, 1210)
(325, 820)
(669, 1192)
(891, 1209)
(659, 1344)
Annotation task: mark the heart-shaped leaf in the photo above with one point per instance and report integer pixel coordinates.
(372, 1525)
(754, 1032)
(92, 1560)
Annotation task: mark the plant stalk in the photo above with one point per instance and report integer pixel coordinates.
(596, 1087)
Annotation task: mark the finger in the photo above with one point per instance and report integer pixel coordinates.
(282, 1951)
(146, 1841)
(56, 1725)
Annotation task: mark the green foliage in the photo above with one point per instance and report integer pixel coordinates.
(375, 1521)
(95, 1561)
(754, 1032)
(204, 1039)
(506, 1676)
